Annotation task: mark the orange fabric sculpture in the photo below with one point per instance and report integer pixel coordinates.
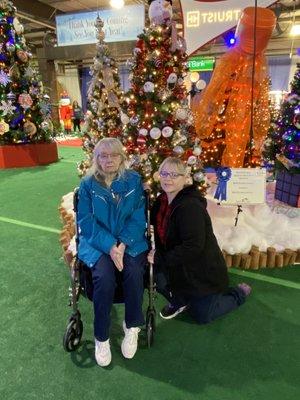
(223, 111)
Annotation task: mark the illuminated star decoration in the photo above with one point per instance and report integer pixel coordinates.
(4, 78)
(7, 107)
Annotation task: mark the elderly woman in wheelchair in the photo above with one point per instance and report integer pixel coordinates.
(112, 222)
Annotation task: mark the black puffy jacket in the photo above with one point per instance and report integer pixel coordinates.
(191, 257)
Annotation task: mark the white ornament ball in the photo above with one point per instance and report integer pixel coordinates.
(201, 84)
(192, 160)
(124, 119)
(136, 51)
(167, 131)
(155, 133)
(181, 114)
(198, 176)
(143, 132)
(197, 151)
(172, 78)
(149, 87)
(178, 150)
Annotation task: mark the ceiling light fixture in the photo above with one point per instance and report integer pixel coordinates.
(117, 3)
(295, 30)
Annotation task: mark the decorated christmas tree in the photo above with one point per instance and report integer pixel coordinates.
(273, 141)
(103, 118)
(159, 121)
(289, 127)
(24, 106)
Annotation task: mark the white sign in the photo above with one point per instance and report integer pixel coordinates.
(246, 186)
(119, 25)
(204, 20)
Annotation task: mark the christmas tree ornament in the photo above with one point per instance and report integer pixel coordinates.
(4, 78)
(134, 120)
(160, 11)
(178, 150)
(148, 87)
(155, 133)
(192, 160)
(19, 28)
(11, 96)
(124, 118)
(143, 132)
(181, 114)
(197, 151)
(10, 47)
(25, 100)
(29, 128)
(7, 108)
(22, 56)
(297, 121)
(167, 131)
(198, 176)
(172, 79)
(141, 140)
(4, 127)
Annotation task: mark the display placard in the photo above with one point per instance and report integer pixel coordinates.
(246, 186)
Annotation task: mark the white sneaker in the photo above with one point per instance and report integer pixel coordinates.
(130, 341)
(102, 353)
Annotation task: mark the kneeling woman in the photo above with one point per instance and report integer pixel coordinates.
(111, 219)
(189, 265)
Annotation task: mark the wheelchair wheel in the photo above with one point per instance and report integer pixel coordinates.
(150, 328)
(72, 336)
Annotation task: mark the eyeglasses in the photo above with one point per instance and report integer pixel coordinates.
(172, 175)
(105, 156)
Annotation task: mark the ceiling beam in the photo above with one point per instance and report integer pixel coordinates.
(37, 9)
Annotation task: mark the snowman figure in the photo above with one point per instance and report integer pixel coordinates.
(160, 11)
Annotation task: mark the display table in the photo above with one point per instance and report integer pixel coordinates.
(28, 155)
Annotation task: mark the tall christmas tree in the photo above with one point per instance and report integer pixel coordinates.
(273, 141)
(24, 106)
(160, 121)
(289, 126)
(104, 95)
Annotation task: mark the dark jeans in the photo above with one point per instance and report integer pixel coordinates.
(76, 124)
(206, 308)
(104, 282)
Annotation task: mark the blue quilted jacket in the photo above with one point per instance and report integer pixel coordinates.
(107, 216)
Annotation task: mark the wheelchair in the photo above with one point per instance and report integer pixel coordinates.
(81, 284)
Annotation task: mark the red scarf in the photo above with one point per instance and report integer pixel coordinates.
(162, 218)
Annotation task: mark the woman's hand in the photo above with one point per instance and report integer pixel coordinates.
(151, 256)
(117, 257)
(121, 249)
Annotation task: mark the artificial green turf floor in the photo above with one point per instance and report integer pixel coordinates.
(253, 353)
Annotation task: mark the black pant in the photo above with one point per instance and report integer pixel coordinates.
(76, 124)
(202, 309)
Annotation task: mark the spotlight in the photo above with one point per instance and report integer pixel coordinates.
(229, 39)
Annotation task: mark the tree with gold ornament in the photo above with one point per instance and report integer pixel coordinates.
(24, 106)
(158, 120)
(103, 118)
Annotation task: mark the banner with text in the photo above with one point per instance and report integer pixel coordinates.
(119, 25)
(204, 20)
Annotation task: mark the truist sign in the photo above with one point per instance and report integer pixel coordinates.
(204, 20)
